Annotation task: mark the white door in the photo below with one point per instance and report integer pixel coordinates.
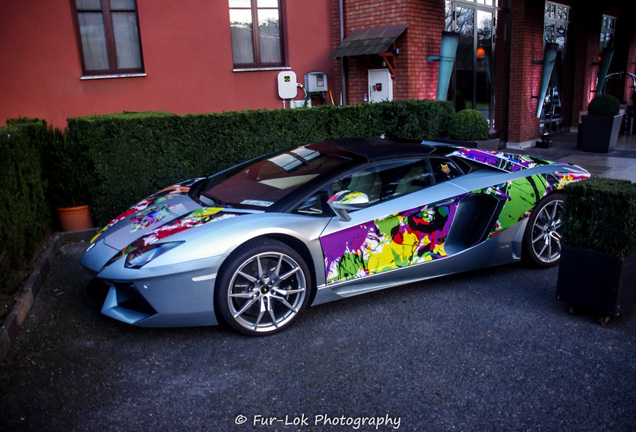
(380, 85)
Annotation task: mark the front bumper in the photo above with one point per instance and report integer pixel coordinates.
(182, 300)
(177, 294)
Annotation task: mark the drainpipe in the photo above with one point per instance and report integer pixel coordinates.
(343, 99)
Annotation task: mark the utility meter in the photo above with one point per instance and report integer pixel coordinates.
(316, 82)
(287, 85)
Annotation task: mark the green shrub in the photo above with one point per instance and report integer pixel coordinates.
(600, 214)
(135, 154)
(468, 125)
(68, 171)
(24, 214)
(112, 161)
(604, 105)
(414, 119)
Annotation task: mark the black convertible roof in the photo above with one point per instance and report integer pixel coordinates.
(375, 148)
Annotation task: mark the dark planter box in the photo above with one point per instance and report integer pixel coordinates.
(596, 281)
(599, 133)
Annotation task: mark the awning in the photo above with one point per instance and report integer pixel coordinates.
(370, 41)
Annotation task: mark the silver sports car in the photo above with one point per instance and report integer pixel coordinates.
(254, 245)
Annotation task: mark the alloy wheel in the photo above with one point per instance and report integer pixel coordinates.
(546, 236)
(266, 292)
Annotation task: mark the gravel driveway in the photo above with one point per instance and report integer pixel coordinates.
(485, 350)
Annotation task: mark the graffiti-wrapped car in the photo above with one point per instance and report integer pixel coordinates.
(254, 245)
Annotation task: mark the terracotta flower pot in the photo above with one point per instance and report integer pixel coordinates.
(75, 218)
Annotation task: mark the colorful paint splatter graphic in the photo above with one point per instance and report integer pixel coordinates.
(523, 194)
(191, 220)
(503, 161)
(395, 241)
(420, 234)
(144, 214)
(149, 216)
(345, 197)
(560, 180)
(520, 197)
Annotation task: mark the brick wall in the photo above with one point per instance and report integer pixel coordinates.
(526, 47)
(501, 75)
(519, 44)
(585, 30)
(424, 37)
(626, 46)
(630, 67)
(415, 78)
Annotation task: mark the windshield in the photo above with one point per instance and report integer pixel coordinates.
(260, 184)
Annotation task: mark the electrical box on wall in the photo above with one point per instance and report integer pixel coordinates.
(300, 103)
(287, 85)
(380, 85)
(316, 82)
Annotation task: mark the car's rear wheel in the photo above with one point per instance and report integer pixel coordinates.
(262, 288)
(542, 239)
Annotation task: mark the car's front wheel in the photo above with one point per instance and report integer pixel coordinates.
(262, 288)
(542, 239)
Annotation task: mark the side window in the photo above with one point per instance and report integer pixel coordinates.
(444, 170)
(257, 39)
(388, 180)
(315, 205)
(108, 33)
(383, 181)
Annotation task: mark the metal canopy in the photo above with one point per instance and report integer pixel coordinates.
(369, 41)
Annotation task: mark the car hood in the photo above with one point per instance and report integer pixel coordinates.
(163, 214)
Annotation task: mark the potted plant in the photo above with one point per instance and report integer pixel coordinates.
(469, 128)
(599, 129)
(69, 177)
(598, 260)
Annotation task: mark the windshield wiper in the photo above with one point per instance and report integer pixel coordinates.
(212, 201)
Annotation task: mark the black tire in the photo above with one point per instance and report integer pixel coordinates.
(262, 288)
(542, 239)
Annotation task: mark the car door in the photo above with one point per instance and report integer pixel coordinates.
(408, 218)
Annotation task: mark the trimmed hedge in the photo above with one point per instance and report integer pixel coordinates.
(25, 217)
(131, 155)
(469, 125)
(112, 161)
(600, 214)
(68, 171)
(604, 105)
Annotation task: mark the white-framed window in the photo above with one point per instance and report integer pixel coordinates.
(557, 19)
(608, 28)
(109, 37)
(257, 33)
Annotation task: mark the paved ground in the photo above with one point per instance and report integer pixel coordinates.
(485, 350)
(618, 164)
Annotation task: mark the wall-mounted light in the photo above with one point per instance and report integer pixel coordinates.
(481, 53)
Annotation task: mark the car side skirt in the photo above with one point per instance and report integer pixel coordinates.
(502, 249)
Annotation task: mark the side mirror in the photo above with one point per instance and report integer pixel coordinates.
(345, 201)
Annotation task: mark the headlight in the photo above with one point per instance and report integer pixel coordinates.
(141, 256)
